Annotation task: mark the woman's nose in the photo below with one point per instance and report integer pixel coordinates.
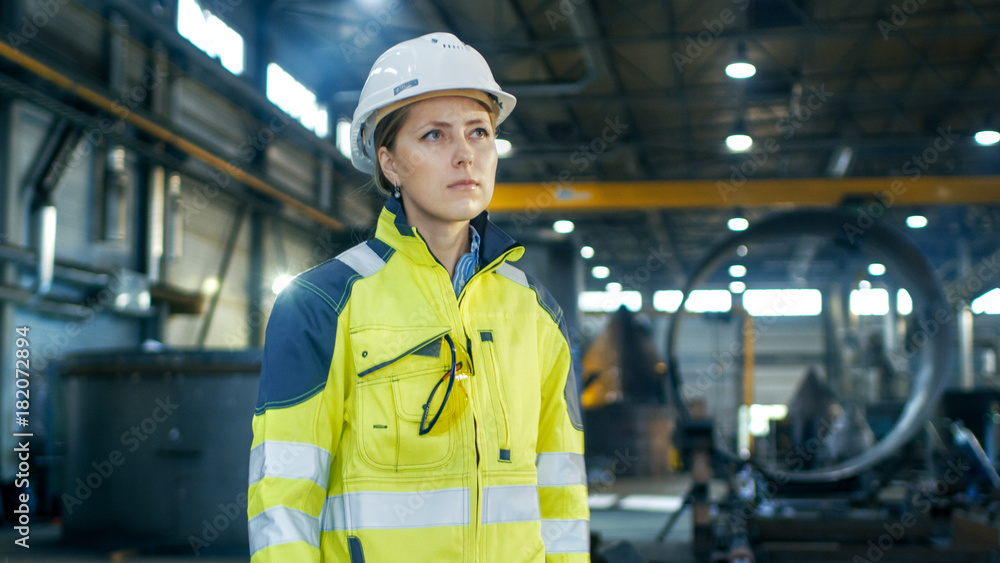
(463, 153)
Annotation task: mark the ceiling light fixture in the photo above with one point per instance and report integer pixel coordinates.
(987, 137)
(916, 221)
(587, 252)
(740, 69)
(740, 140)
(563, 227)
(600, 272)
(738, 224)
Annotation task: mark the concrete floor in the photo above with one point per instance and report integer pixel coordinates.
(628, 509)
(632, 510)
(45, 545)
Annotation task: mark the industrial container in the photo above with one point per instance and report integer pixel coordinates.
(157, 449)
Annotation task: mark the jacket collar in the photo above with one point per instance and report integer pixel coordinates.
(394, 230)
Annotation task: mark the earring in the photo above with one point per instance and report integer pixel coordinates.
(395, 193)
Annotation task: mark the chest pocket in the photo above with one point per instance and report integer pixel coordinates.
(397, 367)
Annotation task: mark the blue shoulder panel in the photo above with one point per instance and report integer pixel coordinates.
(302, 329)
(572, 390)
(548, 303)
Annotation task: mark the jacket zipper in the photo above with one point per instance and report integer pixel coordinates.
(496, 389)
(476, 417)
(478, 514)
(457, 320)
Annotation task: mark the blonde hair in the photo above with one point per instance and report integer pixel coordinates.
(385, 136)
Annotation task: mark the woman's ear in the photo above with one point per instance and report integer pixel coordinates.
(388, 164)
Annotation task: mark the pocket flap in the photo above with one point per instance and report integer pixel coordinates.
(380, 346)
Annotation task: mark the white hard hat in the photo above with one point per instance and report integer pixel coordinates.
(417, 69)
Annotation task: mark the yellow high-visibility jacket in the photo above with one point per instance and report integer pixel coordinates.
(354, 347)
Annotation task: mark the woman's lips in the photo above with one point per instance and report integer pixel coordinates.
(464, 184)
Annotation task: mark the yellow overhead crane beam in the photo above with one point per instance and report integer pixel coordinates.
(610, 196)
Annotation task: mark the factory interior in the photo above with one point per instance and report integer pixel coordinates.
(773, 228)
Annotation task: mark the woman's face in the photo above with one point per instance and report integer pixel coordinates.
(444, 161)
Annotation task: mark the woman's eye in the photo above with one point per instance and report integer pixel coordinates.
(432, 135)
(481, 132)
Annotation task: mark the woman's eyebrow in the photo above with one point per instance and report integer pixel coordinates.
(474, 121)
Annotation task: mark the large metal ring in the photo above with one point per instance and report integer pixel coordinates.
(900, 256)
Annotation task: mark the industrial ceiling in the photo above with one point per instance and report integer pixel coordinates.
(621, 91)
(624, 107)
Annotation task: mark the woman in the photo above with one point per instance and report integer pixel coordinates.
(417, 401)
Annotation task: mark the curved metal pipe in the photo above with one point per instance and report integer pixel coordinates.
(934, 317)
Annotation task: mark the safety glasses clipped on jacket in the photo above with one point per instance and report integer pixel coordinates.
(445, 392)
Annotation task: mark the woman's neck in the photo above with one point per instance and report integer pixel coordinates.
(447, 242)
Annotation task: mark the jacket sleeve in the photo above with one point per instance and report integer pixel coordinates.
(562, 477)
(296, 427)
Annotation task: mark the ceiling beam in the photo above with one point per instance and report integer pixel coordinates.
(533, 199)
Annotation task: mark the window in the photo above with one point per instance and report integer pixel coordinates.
(988, 303)
(297, 100)
(211, 35)
(904, 303)
(667, 300)
(709, 301)
(783, 302)
(609, 301)
(344, 137)
(870, 301)
(700, 301)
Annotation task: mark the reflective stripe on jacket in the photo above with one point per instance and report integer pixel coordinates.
(338, 468)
